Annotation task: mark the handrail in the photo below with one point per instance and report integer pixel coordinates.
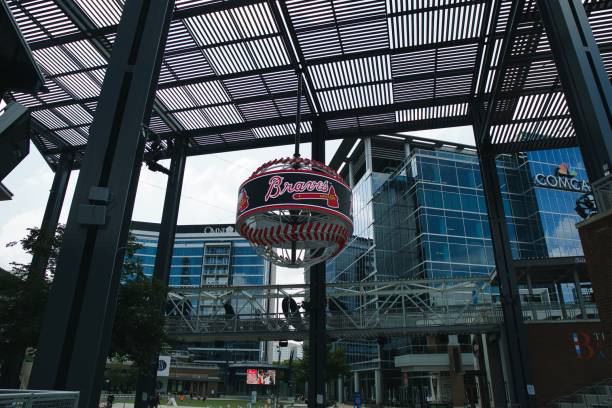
(580, 391)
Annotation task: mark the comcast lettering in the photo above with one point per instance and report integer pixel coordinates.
(563, 180)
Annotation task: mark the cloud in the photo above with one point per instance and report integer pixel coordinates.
(14, 229)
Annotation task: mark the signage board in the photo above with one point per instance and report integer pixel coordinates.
(163, 366)
(260, 377)
(357, 399)
(563, 179)
(294, 190)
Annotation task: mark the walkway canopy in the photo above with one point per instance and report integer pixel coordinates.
(229, 75)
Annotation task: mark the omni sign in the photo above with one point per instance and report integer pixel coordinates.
(562, 180)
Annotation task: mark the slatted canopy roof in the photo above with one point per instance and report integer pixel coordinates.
(229, 77)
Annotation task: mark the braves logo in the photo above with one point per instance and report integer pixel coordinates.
(587, 347)
(303, 190)
(243, 200)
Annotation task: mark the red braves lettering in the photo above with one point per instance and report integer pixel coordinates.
(276, 187)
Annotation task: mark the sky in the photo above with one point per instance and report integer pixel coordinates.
(209, 194)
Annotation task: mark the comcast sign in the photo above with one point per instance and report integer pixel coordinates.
(563, 179)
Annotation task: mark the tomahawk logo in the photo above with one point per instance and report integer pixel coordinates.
(243, 200)
(331, 197)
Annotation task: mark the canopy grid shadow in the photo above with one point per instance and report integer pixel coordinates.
(228, 79)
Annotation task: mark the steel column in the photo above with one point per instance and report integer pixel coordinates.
(534, 315)
(585, 82)
(40, 259)
(12, 367)
(77, 326)
(172, 201)
(561, 300)
(520, 369)
(146, 384)
(579, 296)
(317, 338)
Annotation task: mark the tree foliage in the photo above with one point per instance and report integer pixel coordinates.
(23, 298)
(120, 377)
(139, 322)
(337, 365)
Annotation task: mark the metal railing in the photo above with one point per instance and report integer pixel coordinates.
(592, 396)
(38, 399)
(433, 349)
(355, 310)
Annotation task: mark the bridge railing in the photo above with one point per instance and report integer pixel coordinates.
(38, 399)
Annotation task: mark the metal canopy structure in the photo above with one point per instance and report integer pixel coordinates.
(225, 76)
(228, 79)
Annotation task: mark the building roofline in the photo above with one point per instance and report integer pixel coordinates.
(346, 148)
(180, 229)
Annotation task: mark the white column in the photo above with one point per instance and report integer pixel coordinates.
(351, 174)
(356, 380)
(378, 388)
(503, 347)
(487, 366)
(367, 151)
(340, 390)
(530, 289)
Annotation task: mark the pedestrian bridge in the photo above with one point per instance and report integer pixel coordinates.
(354, 310)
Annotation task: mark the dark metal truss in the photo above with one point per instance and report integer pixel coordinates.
(229, 75)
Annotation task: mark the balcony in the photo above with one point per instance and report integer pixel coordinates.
(434, 358)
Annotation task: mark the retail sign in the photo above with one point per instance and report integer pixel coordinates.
(588, 346)
(220, 229)
(563, 179)
(163, 366)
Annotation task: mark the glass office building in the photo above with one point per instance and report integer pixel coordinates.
(420, 213)
(205, 256)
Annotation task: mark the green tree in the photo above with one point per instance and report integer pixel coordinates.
(138, 330)
(337, 365)
(120, 376)
(22, 299)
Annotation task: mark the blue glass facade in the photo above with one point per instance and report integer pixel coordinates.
(554, 208)
(426, 217)
(199, 258)
(209, 255)
(429, 218)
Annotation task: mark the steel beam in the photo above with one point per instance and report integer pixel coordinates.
(40, 259)
(163, 259)
(514, 327)
(585, 82)
(11, 368)
(77, 326)
(317, 337)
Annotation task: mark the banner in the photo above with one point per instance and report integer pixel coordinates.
(163, 366)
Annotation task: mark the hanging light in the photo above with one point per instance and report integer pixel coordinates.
(295, 211)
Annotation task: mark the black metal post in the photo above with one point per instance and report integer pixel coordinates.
(40, 259)
(585, 82)
(522, 389)
(10, 370)
(317, 338)
(76, 330)
(146, 384)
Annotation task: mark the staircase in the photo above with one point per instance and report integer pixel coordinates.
(593, 396)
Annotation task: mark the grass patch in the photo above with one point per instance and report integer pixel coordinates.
(209, 403)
